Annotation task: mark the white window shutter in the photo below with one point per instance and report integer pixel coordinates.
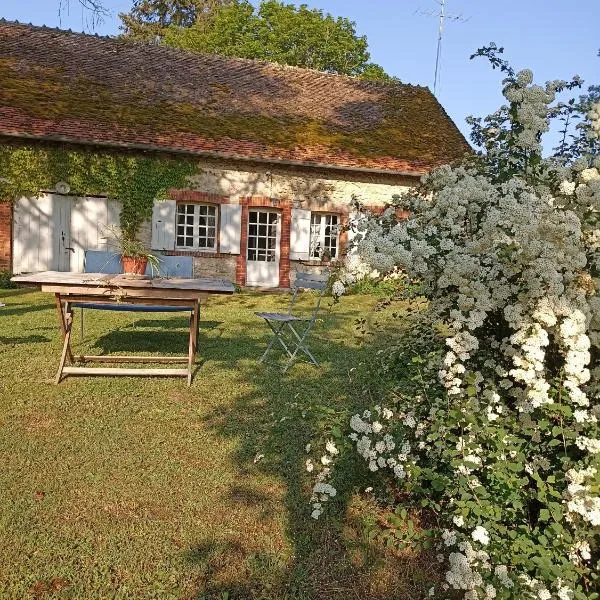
(300, 234)
(230, 228)
(163, 224)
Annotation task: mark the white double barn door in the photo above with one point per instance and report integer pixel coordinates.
(52, 232)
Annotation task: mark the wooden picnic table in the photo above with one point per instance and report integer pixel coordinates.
(101, 289)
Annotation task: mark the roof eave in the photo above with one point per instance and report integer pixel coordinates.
(211, 154)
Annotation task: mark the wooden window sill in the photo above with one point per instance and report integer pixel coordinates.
(196, 253)
(316, 262)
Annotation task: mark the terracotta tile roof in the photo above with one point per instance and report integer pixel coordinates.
(86, 89)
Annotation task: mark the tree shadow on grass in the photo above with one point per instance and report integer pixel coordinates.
(177, 323)
(28, 339)
(12, 310)
(14, 292)
(161, 338)
(223, 570)
(333, 558)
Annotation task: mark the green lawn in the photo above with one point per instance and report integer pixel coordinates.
(145, 488)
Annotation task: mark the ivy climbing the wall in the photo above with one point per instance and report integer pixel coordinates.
(135, 180)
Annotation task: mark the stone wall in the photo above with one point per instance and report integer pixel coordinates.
(303, 267)
(301, 185)
(283, 188)
(222, 266)
(253, 184)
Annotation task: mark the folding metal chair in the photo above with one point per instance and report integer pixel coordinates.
(297, 326)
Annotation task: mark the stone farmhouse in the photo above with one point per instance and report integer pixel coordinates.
(281, 151)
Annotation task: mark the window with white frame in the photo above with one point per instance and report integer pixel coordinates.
(324, 235)
(196, 227)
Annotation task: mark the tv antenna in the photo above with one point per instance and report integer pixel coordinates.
(442, 16)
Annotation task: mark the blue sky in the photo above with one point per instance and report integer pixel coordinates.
(555, 39)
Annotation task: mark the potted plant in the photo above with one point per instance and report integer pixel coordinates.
(134, 254)
(135, 257)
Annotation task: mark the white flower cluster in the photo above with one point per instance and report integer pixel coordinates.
(594, 117)
(464, 571)
(539, 591)
(338, 289)
(322, 491)
(378, 447)
(579, 500)
(501, 572)
(531, 103)
(580, 552)
(481, 535)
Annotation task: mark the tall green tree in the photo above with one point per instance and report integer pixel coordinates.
(149, 19)
(282, 33)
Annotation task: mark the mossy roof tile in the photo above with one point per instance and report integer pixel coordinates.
(86, 89)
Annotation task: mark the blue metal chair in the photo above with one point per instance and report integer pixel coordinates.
(100, 261)
(298, 326)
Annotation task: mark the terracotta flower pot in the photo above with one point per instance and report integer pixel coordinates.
(134, 265)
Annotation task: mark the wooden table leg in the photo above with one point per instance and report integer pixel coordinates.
(62, 324)
(197, 329)
(194, 323)
(67, 321)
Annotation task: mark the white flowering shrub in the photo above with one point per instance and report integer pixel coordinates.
(498, 435)
(594, 117)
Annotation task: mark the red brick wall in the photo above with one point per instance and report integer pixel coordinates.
(5, 236)
(284, 252)
(194, 196)
(285, 206)
(240, 265)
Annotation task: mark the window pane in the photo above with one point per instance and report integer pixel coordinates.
(323, 235)
(196, 226)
